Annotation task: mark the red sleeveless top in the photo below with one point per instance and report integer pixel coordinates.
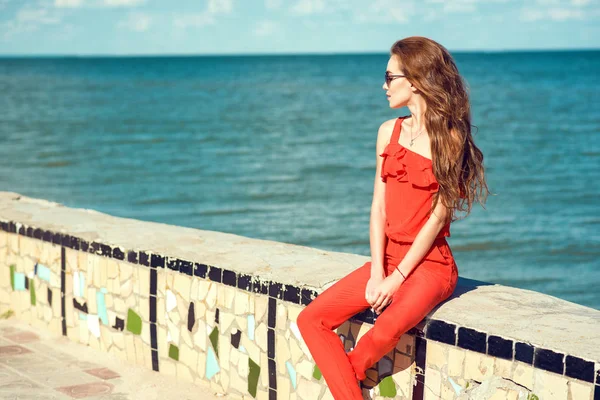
(410, 187)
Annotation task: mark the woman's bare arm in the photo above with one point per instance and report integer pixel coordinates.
(378, 217)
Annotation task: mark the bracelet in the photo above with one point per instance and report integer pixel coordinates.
(400, 273)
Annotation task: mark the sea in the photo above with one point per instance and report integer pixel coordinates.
(282, 147)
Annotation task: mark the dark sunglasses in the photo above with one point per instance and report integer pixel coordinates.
(390, 77)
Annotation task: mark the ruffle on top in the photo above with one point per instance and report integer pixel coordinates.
(408, 166)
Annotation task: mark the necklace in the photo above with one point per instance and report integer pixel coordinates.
(413, 139)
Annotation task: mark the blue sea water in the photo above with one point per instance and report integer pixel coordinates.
(283, 148)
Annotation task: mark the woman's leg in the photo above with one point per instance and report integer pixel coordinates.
(425, 288)
(317, 321)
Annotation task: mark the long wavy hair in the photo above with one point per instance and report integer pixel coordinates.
(457, 162)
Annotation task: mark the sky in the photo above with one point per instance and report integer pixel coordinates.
(161, 27)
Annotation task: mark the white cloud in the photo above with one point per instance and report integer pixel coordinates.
(579, 3)
(272, 4)
(137, 22)
(554, 14)
(219, 6)
(29, 19)
(265, 28)
(207, 17)
(123, 3)
(386, 11)
(307, 7)
(68, 3)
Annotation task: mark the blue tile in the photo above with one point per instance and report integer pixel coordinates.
(524, 352)
(500, 347)
(578, 368)
(471, 339)
(549, 360)
(441, 331)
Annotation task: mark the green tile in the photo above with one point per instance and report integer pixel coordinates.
(174, 352)
(32, 292)
(134, 322)
(214, 339)
(317, 373)
(387, 388)
(253, 374)
(12, 276)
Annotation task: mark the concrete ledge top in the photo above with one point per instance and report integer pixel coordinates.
(511, 313)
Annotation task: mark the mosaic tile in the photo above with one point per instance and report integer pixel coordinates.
(144, 258)
(292, 294)
(271, 343)
(191, 318)
(80, 306)
(471, 339)
(82, 316)
(214, 340)
(119, 324)
(253, 375)
(43, 272)
(214, 274)
(217, 316)
(387, 387)
(292, 373)
(12, 277)
(19, 281)
(549, 360)
(212, 365)
(244, 282)
(134, 322)
(251, 326)
(500, 347)
(272, 374)
(157, 261)
(317, 373)
(524, 352)
(174, 352)
(93, 324)
(26, 283)
(101, 307)
(32, 297)
(171, 301)
(200, 270)
(229, 278)
(132, 257)
(118, 254)
(235, 338)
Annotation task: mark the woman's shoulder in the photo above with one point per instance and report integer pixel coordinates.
(385, 131)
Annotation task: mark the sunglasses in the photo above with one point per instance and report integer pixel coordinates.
(390, 77)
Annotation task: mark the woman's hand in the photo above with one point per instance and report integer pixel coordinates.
(370, 291)
(384, 292)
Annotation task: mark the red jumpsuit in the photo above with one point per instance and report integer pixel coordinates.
(410, 186)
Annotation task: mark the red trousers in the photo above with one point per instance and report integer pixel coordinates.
(431, 282)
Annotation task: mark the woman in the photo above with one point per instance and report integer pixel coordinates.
(428, 168)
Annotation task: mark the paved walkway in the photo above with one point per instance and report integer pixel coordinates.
(36, 365)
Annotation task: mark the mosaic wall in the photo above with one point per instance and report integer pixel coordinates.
(239, 333)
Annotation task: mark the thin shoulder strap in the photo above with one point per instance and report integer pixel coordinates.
(397, 129)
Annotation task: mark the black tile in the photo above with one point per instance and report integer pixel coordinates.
(57, 238)
(524, 352)
(578, 368)
(271, 343)
(260, 287)
(26, 283)
(292, 294)
(200, 270)
(307, 296)
(153, 337)
(217, 316)
(118, 254)
(75, 243)
(155, 360)
(441, 331)
(81, 307)
(157, 261)
(66, 241)
(500, 347)
(186, 267)
(598, 377)
(214, 274)
(29, 231)
(244, 282)
(50, 297)
(272, 394)
(420, 357)
(275, 290)
(173, 264)
(12, 227)
(132, 257)
(105, 250)
(153, 281)
(597, 392)
(471, 339)
(4, 226)
(37, 233)
(22, 230)
(119, 324)
(235, 338)
(153, 309)
(272, 374)
(85, 246)
(229, 278)
(144, 258)
(271, 312)
(95, 248)
(191, 318)
(549, 360)
(47, 236)
(35, 268)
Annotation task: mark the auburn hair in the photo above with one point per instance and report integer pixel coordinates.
(457, 162)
